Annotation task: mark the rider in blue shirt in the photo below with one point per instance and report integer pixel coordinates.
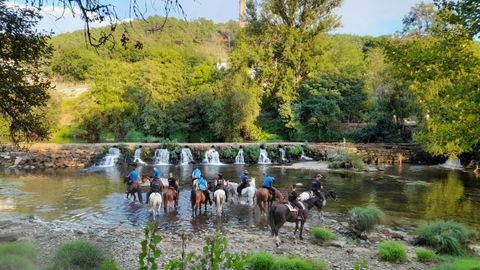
(243, 182)
(132, 178)
(268, 183)
(202, 185)
(156, 173)
(196, 174)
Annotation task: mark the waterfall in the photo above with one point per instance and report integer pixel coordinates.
(186, 156)
(452, 163)
(304, 157)
(282, 155)
(161, 157)
(239, 158)
(111, 158)
(137, 156)
(212, 157)
(263, 157)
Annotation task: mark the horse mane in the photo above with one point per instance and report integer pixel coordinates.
(252, 182)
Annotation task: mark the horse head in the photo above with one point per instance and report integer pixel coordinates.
(126, 179)
(210, 186)
(332, 194)
(252, 182)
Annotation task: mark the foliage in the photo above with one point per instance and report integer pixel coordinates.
(425, 255)
(251, 153)
(459, 264)
(24, 91)
(322, 234)
(342, 158)
(78, 254)
(361, 265)
(392, 251)
(294, 151)
(261, 261)
(150, 252)
(364, 219)
(446, 237)
(18, 256)
(228, 153)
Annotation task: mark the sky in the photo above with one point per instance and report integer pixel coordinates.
(359, 17)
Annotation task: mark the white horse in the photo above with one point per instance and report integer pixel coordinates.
(248, 192)
(155, 203)
(219, 197)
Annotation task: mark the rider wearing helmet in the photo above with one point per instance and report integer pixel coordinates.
(202, 185)
(221, 185)
(155, 184)
(243, 182)
(268, 184)
(317, 187)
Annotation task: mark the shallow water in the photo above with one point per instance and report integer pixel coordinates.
(407, 194)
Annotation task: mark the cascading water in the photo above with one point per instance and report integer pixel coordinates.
(212, 157)
(137, 156)
(186, 156)
(304, 157)
(282, 155)
(239, 158)
(452, 163)
(111, 158)
(263, 157)
(161, 157)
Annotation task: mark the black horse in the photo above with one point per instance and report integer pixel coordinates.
(281, 213)
(134, 188)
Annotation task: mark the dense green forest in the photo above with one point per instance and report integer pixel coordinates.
(282, 77)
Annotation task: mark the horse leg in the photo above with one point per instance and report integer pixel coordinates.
(139, 192)
(296, 228)
(302, 223)
(321, 215)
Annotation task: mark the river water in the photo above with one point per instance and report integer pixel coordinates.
(407, 194)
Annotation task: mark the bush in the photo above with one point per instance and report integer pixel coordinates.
(228, 153)
(323, 234)
(261, 261)
(364, 219)
(447, 237)
(425, 255)
(18, 255)
(392, 251)
(294, 151)
(78, 255)
(341, 158)
(460, 264)
(251, 153)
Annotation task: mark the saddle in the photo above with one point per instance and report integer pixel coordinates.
(292, 208)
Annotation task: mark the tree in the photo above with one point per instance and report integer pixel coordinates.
(462, 12)
(284, 35)
(443, 70)
(24, 86)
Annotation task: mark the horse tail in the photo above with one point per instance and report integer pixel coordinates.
(271, 220)
(193, 197)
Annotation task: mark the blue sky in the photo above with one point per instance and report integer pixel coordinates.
(360, 17)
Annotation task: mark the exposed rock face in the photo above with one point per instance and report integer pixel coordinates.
(50, 155)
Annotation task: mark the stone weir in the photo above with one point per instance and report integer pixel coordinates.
(52, 155)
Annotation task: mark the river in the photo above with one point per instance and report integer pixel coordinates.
(408, 195)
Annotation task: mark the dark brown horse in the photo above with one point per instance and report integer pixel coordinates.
(263, 199)
(281, 213)
(170, 197)
(135, 187)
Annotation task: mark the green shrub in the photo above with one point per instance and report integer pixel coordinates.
(292, 264)
(251, 153)
(364, 219)
(341, 158)
(323, 234)
(294, 151)
(460, 264)
(447, 237)
(17, 255)
(78, 255)
(228, 153)
(425, 255)
(261, 261)
(392, 251)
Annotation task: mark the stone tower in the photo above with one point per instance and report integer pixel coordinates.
(243, 6)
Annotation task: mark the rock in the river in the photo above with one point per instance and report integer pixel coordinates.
(8, 237)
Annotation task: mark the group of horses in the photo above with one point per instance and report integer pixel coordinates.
(278, 214)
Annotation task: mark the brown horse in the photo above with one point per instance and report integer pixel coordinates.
(134, 188)
(263, 199)
(170, 197)
(197, 198)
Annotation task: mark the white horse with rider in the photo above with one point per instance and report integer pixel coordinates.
(247, 192)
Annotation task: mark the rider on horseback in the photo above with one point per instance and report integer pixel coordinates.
(155, 184)
(268, 184)
(172, 182)
(221, 185)
(293, 198)
(243, 183)
(196, 174)
(202, 185)
(317, 187)
(133, 177)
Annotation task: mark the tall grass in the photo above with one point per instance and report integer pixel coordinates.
(341, 158)
(425, 255)
(265, 261)
(364, 219)
(17, 255)
(323, 234)
(392, 251)
(446, 237)
(460, 264)
(78, 255)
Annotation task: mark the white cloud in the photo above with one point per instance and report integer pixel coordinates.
(373, 17)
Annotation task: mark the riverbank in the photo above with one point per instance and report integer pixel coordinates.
(123, 243)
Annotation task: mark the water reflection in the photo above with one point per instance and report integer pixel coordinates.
(407, 194)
